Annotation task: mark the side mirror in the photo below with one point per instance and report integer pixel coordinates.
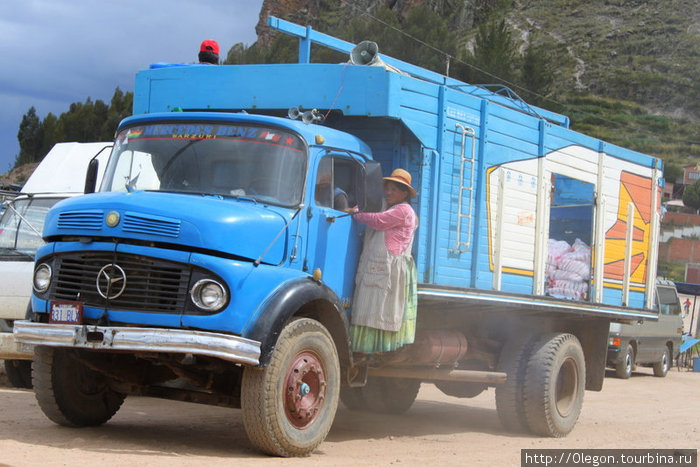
(373, 192)
(91, 176)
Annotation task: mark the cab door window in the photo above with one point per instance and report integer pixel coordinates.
(336, 183)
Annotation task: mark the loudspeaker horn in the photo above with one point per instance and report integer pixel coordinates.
(294, 113)
(364, 53)
(312, 116)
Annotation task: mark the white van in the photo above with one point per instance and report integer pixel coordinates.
(60, 175)
(648, 343)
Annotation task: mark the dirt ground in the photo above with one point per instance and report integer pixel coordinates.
(642, 412)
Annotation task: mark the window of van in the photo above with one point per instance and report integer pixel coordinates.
(668, 301)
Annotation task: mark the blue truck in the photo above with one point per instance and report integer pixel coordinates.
(209, 269)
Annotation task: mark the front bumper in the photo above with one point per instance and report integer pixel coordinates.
(132, 339)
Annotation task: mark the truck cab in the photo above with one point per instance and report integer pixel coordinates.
(653, 343)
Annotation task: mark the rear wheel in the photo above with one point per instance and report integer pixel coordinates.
(661, 367)
(509, 395)
(68, 392)
(554, 385)
(289, 406)
(623, 368)
(19, 372)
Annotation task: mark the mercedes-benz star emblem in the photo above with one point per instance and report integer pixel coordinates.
(111, 281)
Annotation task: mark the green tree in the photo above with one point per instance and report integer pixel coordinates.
(691, 195)
(384, 30)
(49, 133)
(495, 55)
(30, 138)
(536, 74)
(83, 122)
(437, 41)
(119, 108)
(672, 173)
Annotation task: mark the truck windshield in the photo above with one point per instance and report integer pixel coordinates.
(263, 163)
(21, 225)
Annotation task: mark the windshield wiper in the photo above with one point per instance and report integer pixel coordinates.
(274, 240)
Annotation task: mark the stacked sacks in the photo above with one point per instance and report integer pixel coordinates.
(568, 269)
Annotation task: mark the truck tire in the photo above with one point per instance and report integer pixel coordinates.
(289, 406)
(383, 395)
(661, 367)
(623, 368)
(555, 380)
(19, 372)
(509, 395)
(68, 392)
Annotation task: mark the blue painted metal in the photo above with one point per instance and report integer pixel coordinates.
(502, 95)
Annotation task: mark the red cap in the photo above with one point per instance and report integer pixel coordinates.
(209, 46)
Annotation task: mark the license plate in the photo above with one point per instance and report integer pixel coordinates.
(66, 313)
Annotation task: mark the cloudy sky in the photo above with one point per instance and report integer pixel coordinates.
(56, 52)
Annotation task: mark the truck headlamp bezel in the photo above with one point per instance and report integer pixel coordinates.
(41, 280)
(209, 295)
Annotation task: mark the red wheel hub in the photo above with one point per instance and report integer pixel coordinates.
(305, 390)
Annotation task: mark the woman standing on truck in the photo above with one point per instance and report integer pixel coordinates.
(384, 304)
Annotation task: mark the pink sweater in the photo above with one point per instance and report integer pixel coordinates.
(398, 223)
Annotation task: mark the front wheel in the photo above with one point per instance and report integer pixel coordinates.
(623, 368)
(68, 392)
(661, 367)
(555, 381)
(288, 407)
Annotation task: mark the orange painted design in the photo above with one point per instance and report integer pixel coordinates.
(614, 270)
(634, 189)
(619, 231)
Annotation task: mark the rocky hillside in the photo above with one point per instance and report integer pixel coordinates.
(16, 177)
(623, 60)
(642, 51)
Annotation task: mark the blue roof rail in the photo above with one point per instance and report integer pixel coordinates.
(308, 36)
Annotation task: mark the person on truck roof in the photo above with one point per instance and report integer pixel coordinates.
(209, 52)
(384, 305)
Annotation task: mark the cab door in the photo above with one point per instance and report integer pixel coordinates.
(334, 239)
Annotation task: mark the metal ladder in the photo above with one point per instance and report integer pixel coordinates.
(460, 246)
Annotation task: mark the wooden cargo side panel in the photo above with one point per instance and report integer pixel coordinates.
(454, 201)
(625, 176)
(511, 153)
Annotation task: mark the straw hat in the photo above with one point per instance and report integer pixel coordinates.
(402, 177)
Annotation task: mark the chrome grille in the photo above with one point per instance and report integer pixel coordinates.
(151, 285)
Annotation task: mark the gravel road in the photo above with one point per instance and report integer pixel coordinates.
(642, 412)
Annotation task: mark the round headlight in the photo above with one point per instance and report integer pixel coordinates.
(42, 278)
(209, 295)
